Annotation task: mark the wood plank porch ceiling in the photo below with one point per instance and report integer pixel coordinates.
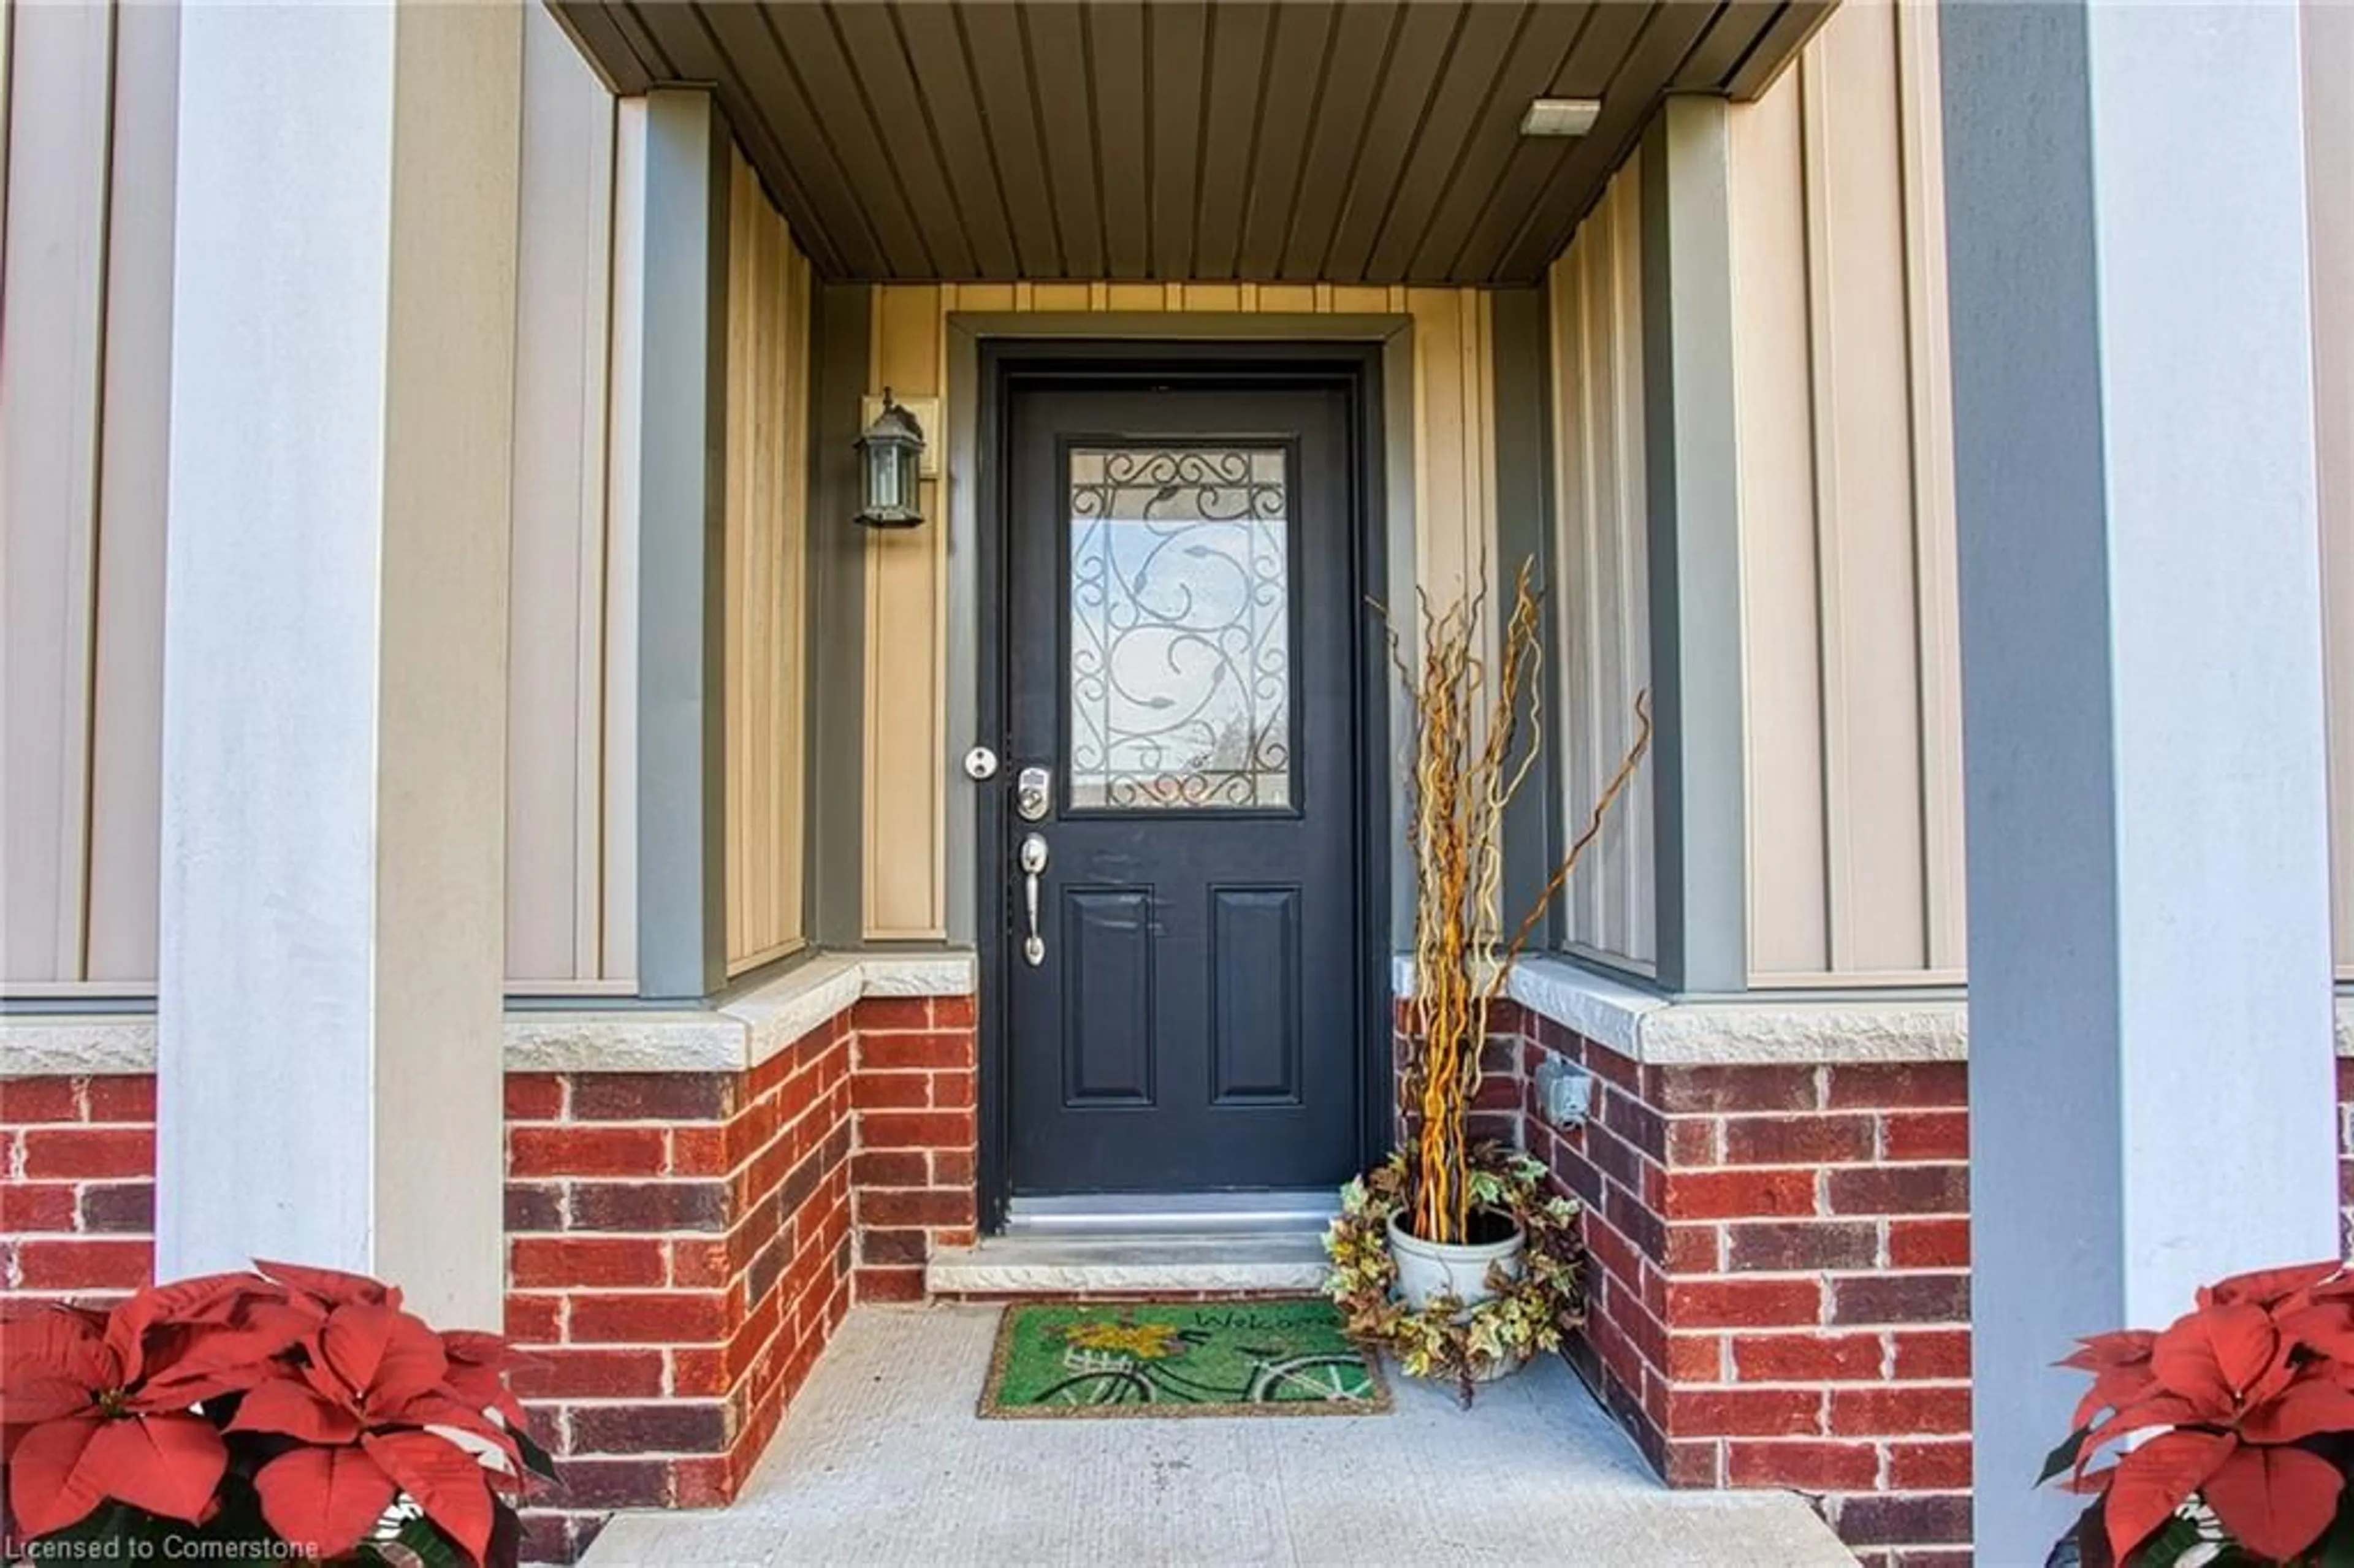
(1334, 140)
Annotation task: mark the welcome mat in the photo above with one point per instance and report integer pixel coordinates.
(1241, 1356)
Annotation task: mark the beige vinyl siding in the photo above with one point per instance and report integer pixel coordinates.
(904, 858)
(1596, 312)
(89, 111)
(85, 312)
(906, 576)
(2329, 176)
(1849, 642)
(561, 773)
(767, 506)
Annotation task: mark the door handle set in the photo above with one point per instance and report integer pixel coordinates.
(1032, 860)
(1034, 797)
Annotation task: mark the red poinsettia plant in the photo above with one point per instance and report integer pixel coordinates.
(2251, 1399)
(295, 1407)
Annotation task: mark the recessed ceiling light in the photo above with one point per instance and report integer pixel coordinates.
(1560, 116)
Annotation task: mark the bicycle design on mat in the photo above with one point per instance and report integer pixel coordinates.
(1143, 1363)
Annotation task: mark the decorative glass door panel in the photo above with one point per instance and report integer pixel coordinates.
(1180, 628)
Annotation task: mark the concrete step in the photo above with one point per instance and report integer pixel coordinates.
(1287, 1260)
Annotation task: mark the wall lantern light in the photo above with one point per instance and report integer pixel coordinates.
(892, 454)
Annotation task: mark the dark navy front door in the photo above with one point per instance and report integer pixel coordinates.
(1181, 666)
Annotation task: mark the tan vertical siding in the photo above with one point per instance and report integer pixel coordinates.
(571, 922)
(88, 112)
(767, 465)
(1597, 319)
(906, 631)
(2329, 177)
(1455, 466)
(57, 308)
(906, 583)
(53, 297)
(625, 375)
(1853, 714)
(557, 653)
(127, 675)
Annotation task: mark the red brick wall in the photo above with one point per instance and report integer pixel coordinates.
(1496, 1114)
(77, 1193)
(914, 1175)
(2346, 1154)
(681, 1245)
(678, 1251)
(1779, 1294)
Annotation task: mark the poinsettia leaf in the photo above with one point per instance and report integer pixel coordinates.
(202, 1297)
(2158, 1410)
(2063, 1457)
(488, 1444)
(2209, 1356)
(168, 1464)
(2150, 1482)
(450, 1485)
(2324, 1327)
(49, 1488)
(413, 1365)
(2275, 1501)
(295, 1410)
(484, 1387)
(39, 1395)
(50, 1362)
(332, 1286)
(353, 1341)
(228, 1357)
(140, 1329)
(2310, 1405)
(2263, 1286)
(325, 1500)
(2113, 1349)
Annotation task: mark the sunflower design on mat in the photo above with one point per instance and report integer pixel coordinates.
(1145, 1341)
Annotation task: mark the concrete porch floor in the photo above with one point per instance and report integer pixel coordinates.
(882, 1462)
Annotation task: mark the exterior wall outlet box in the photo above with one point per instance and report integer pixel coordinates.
(1565, 1091)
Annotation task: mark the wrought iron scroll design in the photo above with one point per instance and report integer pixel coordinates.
(1180, 623)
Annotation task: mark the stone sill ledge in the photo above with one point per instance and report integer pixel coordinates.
(1754, 1031)
(733, 1037)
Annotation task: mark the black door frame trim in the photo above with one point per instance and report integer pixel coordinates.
(1008, 365)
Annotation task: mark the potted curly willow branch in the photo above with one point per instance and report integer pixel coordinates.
(1458, 1258)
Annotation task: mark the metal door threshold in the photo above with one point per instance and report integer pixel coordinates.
(1173, 1214)
(1162, 1243)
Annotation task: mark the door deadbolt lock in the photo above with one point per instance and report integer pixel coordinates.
(1032, 793)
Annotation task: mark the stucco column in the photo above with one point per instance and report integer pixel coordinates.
(335, 647)
(2151, 1061)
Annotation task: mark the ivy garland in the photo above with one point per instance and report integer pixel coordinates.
(1525, 1315)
